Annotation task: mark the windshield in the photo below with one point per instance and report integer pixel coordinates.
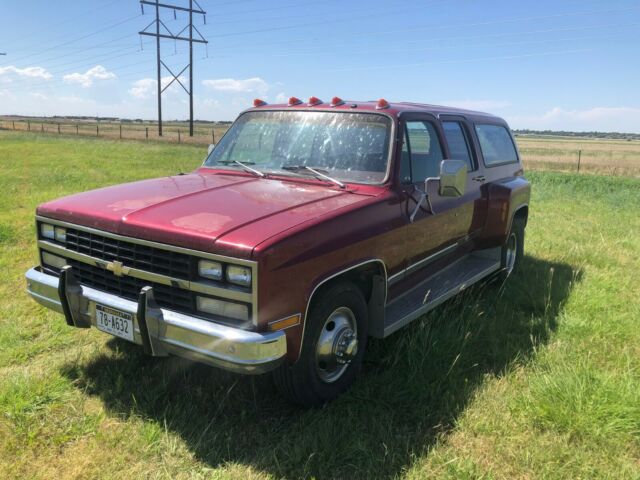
(351, 147)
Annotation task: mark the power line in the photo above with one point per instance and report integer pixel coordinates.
(170, 35)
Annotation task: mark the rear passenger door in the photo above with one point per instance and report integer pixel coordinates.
(461, 145)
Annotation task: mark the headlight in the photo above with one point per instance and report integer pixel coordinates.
(53, 260)
(47, 231)
(222, 308)
(210, 270)
(60, 234)
(239, 275)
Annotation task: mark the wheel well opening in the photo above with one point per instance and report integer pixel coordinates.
(522, 214)
(361, 277)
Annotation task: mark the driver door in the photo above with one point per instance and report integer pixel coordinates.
(433, 235)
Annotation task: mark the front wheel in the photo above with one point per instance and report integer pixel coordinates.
(334, 342)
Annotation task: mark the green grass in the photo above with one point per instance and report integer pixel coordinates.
(536, 378)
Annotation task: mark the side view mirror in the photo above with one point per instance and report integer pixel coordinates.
(211, 147)
(453, 178)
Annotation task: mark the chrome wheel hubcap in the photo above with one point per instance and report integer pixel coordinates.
(512, 250)
(337, 345)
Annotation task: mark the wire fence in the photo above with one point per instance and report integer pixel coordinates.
(172, 133)
(581, 155)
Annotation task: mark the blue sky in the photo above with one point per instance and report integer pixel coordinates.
(572, 65)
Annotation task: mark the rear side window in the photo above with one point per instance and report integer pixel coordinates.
(458, 144)
(496, 144)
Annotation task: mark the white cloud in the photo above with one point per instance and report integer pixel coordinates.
(143, 88)
(482, 105)
(146, 87)
(28, 72)
(608, 119)
(39, 96)
(86, 79)
(254, 84)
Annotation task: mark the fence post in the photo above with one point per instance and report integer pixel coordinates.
(77, 129)
(178, 136)
(42, 127)
(97, 129)
(120, 131)
(146, 132)
(28, 126)
(213, 136)
(58, 129)
(14, 125)
(579, 157)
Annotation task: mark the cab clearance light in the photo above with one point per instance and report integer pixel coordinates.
(313, 101)
(382, 104)
(335, 101)
(259, 103)
(294, 101)
(285, 322)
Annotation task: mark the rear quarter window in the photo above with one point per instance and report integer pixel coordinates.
(496, 144)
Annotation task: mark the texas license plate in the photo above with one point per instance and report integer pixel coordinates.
(115, 322)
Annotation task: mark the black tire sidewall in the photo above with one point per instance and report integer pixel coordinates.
(340, 295)
(517, 228)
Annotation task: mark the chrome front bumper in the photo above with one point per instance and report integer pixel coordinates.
(159, 331)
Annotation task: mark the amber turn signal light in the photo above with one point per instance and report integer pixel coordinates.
(285, 322)
(382, 104)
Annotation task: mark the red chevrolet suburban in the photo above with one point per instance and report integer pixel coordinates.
(310, 227)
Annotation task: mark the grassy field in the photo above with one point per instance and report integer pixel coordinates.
(536, 378)
(548, 153)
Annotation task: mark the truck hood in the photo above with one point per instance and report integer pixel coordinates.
(212, 211)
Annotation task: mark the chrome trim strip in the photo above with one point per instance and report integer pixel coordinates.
(194, 286)
(234, 349)
(397, 276)
(306, 311)
(149, 276)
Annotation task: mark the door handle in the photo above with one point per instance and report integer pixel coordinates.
(479, 178)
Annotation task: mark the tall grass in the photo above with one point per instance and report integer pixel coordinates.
(538, 377)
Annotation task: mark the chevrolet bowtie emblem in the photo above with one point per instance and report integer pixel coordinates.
(117, 268)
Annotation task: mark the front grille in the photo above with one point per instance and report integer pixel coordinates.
(168, 297)
(134, 255)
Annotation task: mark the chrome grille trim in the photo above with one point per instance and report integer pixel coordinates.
(194, 286)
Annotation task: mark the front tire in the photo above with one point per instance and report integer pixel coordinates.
(334, 342)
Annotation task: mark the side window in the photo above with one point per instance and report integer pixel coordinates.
(424, 150)
(496, 144)
(458, 143)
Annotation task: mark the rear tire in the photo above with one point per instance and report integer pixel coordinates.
(334, 341)
(513, 248)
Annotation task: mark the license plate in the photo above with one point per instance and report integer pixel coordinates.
(115, 322)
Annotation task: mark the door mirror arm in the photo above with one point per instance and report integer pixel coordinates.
(424, 195)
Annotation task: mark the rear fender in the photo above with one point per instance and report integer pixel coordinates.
(507, 197)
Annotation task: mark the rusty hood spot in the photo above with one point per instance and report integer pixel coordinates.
(204, 222)
(136, 204)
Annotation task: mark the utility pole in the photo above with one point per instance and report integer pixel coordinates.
(170, 35)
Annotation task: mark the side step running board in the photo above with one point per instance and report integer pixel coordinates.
(440, 287)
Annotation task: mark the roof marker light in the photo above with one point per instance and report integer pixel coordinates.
(382, 104)
(313, 101)
(294, 101)
(335, 101)
(259, 103)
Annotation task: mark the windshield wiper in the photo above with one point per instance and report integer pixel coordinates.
(317, 173)
(243, 165)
